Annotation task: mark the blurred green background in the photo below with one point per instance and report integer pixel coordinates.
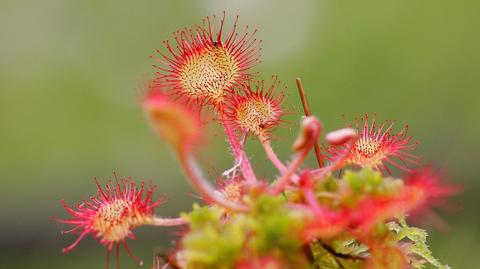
(68, 110)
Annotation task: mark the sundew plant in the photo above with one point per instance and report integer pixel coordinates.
(351, 210)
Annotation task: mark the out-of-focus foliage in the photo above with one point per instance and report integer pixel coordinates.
(416, 244)
(278, 231)
(217, 240)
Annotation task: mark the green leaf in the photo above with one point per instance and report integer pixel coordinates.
(417, 248)
(326, 259)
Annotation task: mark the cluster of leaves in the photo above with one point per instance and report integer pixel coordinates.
(269, 233)
(416, 247)
(275, 232)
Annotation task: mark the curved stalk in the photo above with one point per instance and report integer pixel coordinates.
(312, 201)
(238, 152)
(157, 221)
(272, 155)
(201, 184)
(321, 172)
(289, 173)
(310, 131)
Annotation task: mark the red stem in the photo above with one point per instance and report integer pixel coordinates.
(274, 158)
(156, 221)
(272, 155)
(238, 152)
(310, 131)
(321, 172)
(202, 185)
(286, 177)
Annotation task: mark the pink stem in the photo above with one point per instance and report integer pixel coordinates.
(310, 131)
(272, 155)
(312, 201)
(321, 215)
(156, 221)
(238, 152)
(321, 172)
(274, 158)
(194, 174)
(287, 176)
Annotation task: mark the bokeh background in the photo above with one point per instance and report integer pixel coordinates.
(68, 109)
